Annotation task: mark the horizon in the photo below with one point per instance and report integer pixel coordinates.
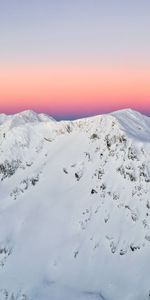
(74, 118)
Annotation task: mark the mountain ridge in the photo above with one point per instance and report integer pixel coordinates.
(29, 112)
(75, 208)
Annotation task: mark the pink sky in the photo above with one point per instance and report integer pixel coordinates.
(73, 89)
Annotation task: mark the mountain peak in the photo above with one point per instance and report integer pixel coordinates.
(31, 115)
(24, 117)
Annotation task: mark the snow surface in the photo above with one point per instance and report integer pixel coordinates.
(75, 207)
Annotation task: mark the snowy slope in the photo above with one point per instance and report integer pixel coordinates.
(75, 207)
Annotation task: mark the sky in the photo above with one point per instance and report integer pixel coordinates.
(74, 58)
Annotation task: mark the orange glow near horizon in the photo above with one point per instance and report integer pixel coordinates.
(68, 89)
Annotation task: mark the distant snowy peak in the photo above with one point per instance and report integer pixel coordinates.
(24, 117)
(135, 124)
(29, 116)
(129, 114)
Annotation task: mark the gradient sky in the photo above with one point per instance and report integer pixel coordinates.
(72, 58)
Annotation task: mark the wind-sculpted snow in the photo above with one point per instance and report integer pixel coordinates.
(75, 207)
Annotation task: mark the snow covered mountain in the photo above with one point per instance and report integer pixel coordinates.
(75, 207)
